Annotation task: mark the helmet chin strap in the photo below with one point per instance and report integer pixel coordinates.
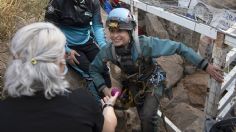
(124, 46)
(124, 49)
(135, 32)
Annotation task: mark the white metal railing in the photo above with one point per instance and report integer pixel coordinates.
(182, 21)
(227, 97)
(226, 109)
(231, 56)
(172, 125)
(228, 79)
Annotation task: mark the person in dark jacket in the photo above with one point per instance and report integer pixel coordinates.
(80, 21)
(140, 74)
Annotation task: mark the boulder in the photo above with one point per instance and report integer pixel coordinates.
(172, 65)
(184, 115)
(128, 120)
(196, 86)
(154, 27)
(227, 4)
(179, 96)
(205, 47)
(196, 126)
(184, 35)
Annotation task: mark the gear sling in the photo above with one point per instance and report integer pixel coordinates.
(149, 77)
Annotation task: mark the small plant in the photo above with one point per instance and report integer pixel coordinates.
(17, 13)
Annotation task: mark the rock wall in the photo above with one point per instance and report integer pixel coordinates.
(227, 4)
(158, 27)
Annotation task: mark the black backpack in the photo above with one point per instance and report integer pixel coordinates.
(70, 12)
(228, 125)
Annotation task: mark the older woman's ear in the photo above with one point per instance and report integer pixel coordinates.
(63, 67)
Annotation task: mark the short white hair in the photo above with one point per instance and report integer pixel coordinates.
(37, 50)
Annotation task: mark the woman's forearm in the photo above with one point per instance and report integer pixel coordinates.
(110, 120)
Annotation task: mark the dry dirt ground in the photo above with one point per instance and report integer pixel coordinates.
(3, 60)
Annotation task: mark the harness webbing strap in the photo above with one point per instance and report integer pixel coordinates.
(113, 52)
(137, 43)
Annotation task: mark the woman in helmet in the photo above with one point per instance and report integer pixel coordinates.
(134, 57)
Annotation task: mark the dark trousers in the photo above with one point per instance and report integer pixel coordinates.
(146, 107)
(88, 52)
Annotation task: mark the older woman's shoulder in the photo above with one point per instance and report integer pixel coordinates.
(84, 96)
(81, 92)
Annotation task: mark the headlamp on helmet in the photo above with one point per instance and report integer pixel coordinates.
(113, 25)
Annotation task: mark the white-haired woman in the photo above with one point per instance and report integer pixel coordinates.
(37, 96)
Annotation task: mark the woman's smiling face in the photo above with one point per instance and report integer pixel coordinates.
(119, 37)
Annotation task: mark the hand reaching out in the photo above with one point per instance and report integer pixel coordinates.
(110, 120)
(215, 73)
(109, 100)
(71, 57)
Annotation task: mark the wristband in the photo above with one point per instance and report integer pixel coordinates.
(205, 67)
(106, 105)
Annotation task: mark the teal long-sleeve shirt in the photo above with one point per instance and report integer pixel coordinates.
(150, 46)
(78, 36)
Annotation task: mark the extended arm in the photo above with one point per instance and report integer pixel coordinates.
(110, 120)
(215, 72)
(97, 68)
(163, 47)
(97, 25)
